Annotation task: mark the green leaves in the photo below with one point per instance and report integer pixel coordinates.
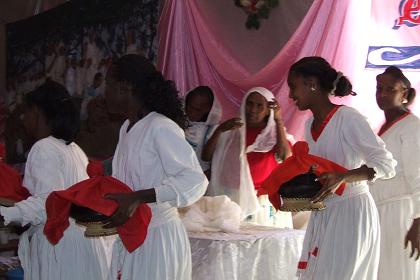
(256, 10)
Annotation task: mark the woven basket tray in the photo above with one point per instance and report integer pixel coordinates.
(300, 204)
(96, 229)
(7, 202)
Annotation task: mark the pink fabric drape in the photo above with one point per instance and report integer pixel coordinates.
(191, 55)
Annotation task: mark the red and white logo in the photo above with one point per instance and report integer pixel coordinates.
(409, 14)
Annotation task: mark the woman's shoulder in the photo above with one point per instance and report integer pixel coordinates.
(411, 124)
(45, 147)
(413, 119)
(48, 142)
(350, 113)
(158, 123)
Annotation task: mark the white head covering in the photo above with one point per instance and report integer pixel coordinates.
(266, 140)
(215, 114)
(230, 170)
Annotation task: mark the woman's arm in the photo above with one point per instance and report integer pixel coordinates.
(128, 203)
(210, 146)
(367, 145)
(413, 237)
(42, 176)
(282, 147)
(410, 163)
(182, 183)
(332, 180)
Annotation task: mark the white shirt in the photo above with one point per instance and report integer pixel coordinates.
(51, 166)
(403, 140)
(349, 141)
(155, 154)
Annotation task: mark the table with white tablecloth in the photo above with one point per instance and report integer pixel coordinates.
(253, 253)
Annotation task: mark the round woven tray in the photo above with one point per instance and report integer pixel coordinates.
(300, 204)
(96, 229)
(7, 202)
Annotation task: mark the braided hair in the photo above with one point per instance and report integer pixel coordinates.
(59, 109)
(398, 75)
(328, 78)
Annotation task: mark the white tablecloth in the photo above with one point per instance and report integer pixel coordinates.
(255, 253)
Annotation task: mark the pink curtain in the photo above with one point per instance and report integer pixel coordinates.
(191, 54)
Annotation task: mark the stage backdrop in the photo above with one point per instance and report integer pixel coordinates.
(70, 44)
(199, 46)
(74, 41)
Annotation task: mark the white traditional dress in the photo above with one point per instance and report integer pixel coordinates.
(52, 165)
(230, 171)
(342, 241)
(398, 200)
(198, 133)
(155, 154)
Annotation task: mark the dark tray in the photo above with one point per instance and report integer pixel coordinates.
(301, 186)
(86, 215)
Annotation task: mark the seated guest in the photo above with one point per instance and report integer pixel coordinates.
(245, 150)
(398, 199)
(54, 163)
(203, 112)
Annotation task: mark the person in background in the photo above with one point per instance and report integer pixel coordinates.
(341, 241)
(90, 93)
(154, 159)
(398, 199)
(204, 113)
(54, 163)
(70, 77)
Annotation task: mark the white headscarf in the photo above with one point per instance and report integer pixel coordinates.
(230, 170)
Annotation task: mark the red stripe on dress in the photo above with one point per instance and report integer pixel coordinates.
(316, 133)
(315, 251)
(385, 127)
(302, 265)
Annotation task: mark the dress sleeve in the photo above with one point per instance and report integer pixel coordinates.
(365, 142)
(410, 151)
(185, 181)
(42, 176)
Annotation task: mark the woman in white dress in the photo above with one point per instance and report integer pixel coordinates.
(398, 199)
(155, 160)
(342, 241)
(54, 163)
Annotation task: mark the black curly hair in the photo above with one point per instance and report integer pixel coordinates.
(318, 67)
(59, 109)
(150, 87)
(398, 75)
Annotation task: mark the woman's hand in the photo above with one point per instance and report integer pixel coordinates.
(210, 146)
(127, 203)
(230, 124)
(274, 105)
(330, 183)
(413, 236)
